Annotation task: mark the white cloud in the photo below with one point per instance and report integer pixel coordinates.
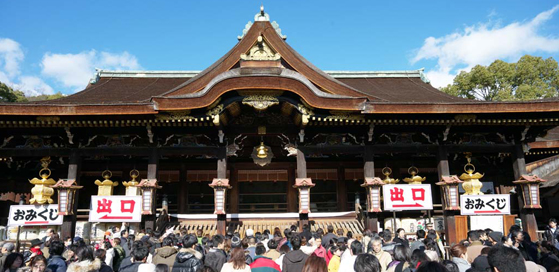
(11, 56)
(484, 43)
(33, 86)
(75, 70)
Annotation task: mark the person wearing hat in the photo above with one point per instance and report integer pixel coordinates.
(34, 250)
(6, 249)
(495, 237)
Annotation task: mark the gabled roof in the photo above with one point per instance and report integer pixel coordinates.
(148, 92)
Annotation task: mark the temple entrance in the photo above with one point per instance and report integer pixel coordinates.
(262, 191)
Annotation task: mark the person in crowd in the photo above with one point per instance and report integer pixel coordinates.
(401, 259)
(125, 243)
(165, 254)
(262, 263)
(139, 254)
(459, 255)
(188, 259)
(320, 251)
(387, 243)
(418, 244)
(328, 236)
(417, 258)
(273, 252)
(307, 247)
(38, 264)
(109, 253)
(522, 245)
(283, 250)
(384, 257)
(306, 232)
(7, 249)
(34, 250)
(401, 238)
(294, 260)
(56, 263)
(551, 233)
(71, 254)
(481, 263)
(366, 263)
(504, 259)
(431, 267)
(347, 263)
(199, 236)
(450, 266)
(495, 237)
(334, 264)
(236, 262)
(251, 248)
(13, 262)
(314, 264)
(165, 268)
(48, 235)
(119, 253)
(475, 247)
(549, 256)
(86, 262)
(216, 256)
(101, 254)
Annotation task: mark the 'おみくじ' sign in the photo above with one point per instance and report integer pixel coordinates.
(34, 215)
(116, 209)
(485, 204)
(399, 197)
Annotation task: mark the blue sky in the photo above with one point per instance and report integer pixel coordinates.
(50, 46)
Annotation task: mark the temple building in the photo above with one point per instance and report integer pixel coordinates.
(280, 141)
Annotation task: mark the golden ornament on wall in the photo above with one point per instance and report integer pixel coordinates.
(386, 171)
(471, 184)
(42, 190)
(414, 179)
(106, 186)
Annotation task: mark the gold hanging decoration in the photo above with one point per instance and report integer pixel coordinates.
(131, 186)
(471, 184)
(414, 179)
(42, 190)
(387, 171)
(106, 186)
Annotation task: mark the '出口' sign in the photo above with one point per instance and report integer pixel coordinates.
(34, 215)
(398, 197)
(116, 209)
(484, 204)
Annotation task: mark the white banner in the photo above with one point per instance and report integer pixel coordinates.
(399, 197)
(484, 204)
(34, 215)
(116, 209)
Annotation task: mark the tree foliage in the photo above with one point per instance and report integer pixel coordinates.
(529, 78)
(8, 94)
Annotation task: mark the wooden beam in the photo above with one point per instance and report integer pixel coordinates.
(153, 163)
(222, 164)
(292, 202)
(341, 191)
(234, 191)
(68, 228)
(183, 190)
(108, 151)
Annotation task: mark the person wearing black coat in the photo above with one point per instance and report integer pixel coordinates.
(188, 259)
(294, 260)
(140, 255)
(56, 262)
(551, 233)
(216, 257)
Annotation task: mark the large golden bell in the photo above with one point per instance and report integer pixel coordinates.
(42, 190)
(414, 179)
(106, 186)
(471, 184)
(262, 151)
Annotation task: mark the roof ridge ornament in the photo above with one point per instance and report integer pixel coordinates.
(261, 51)
(261, 17)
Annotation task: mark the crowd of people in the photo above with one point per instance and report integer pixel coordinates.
(290, 250)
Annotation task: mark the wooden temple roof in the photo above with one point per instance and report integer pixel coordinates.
(149, 92)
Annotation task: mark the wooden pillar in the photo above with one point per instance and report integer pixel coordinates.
(292, 202)
(153, 168)
(234, 191)
(68, 228)
(302, 173)
(451, 233)
(371, 221)
(183, 190)
(529, 223)
(221, 174)
(341, 190)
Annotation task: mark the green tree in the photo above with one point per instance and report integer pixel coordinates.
(529, 78)
(7, 94)
(45, 97)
